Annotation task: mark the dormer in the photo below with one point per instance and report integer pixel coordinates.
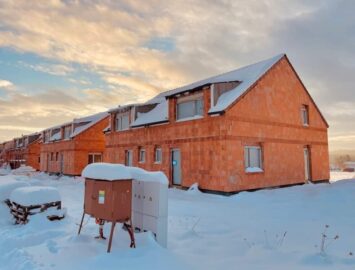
(55, 134)
(218, 89)
(46, 136)
(67, 131)
(121, 118)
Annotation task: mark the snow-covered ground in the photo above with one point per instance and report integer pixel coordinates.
(268, 229)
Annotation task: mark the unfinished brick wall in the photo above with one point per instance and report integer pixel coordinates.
(75, 151)
(212, 148)
(32, 155)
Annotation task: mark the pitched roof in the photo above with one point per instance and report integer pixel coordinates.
(159, 114)
(87, 122)
(247, 76)
(91, 120)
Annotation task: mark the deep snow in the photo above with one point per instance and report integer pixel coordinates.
(244, 231)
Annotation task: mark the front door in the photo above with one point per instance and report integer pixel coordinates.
(128, 158)
(176, 166)
(307, 164)
(48, 156)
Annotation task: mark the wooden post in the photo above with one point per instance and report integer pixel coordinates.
(111, 235)
(81, 223)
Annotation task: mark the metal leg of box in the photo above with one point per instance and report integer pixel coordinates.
(111, 235)
(81, 223)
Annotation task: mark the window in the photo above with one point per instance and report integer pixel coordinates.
(128, 157)
(157, 155)
(122, 122)
(46, 136)
(56, 156)
(190, 108)
(253, 159)
(52, 156)
(141, 155)
(94, 158)
(67, 132)
(304, 115)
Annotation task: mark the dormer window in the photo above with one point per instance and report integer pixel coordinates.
(47, 136)
(189, 107)
(305, 115)
(67, 132)
(122, 121)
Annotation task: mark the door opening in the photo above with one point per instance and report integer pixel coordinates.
(176, 166)
(307, 164)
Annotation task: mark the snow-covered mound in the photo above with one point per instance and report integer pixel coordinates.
(7, 185)
(5, 170)
(35, 195)
(111, 172)
(23, 170)
(194, 189)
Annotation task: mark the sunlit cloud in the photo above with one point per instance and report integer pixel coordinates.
(4, 84)
(53, 69)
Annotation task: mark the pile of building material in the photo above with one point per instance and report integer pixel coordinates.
(23, 170)
(27, 201)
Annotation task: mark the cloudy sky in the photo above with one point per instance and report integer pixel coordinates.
(64, 59)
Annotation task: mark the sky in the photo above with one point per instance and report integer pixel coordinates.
(65, 59)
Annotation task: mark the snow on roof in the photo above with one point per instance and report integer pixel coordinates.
(92, 120)
(120, 107)
(247, 76)
(157, 115)
(113, 172)
(56, 136)
(35, 195)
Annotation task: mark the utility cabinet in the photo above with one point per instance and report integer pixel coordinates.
(108, 200)
(150, 208)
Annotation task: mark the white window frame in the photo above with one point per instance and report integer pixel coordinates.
(305, 115)
(128, 157)
(118, 121)
(141, 155)
(247, 165)
(66, 134)
(156, 160)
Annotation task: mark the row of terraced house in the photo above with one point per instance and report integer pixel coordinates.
(250, 128)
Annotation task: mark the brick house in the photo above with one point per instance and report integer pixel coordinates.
(25, 150)
(69, 147)
(251, 128)
(5, 148)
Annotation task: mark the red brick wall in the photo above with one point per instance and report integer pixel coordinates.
(32, 155)
(270, 114)
(75, 151)
(212, 148)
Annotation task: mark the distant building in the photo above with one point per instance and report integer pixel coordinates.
(25, 151)
(68, 148)
(251, 128)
